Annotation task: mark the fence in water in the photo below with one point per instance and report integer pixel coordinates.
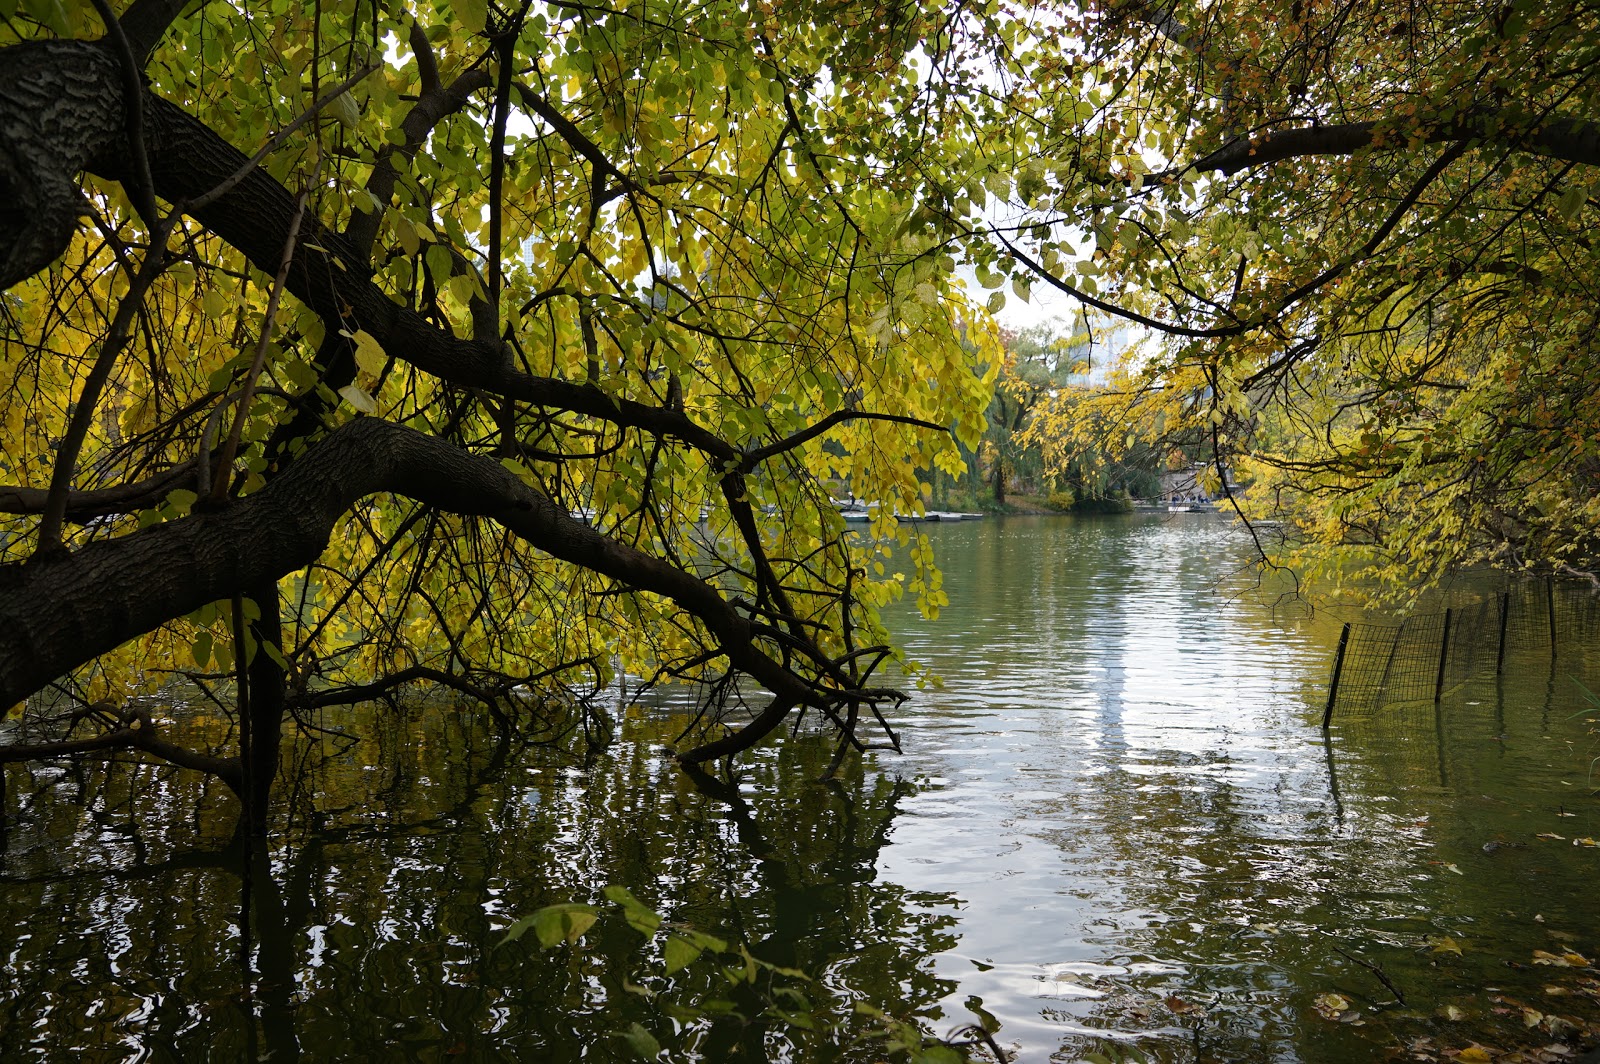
(1430, 653)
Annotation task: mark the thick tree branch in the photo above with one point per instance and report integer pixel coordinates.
(127, 738)
(57, 614)
(187, 162)
(147, 21)
(1569, 139)
(60, 105)
(101, 502)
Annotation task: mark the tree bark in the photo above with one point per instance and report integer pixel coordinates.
(57, 614)
(266, 679)
(1568, 139)
(60, 106)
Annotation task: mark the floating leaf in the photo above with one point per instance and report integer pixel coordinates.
(1182, 1007)
(1331, 1006)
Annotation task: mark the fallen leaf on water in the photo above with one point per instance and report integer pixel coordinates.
(1531, 1017)
(1475, 1053)
(1541, 957)
(1454, 869)
(1452, 1013)
(1182, 1007)
(1446, 945)
(1585, 842)
(1551, 835)
(1330, 1006)
(1556, 991)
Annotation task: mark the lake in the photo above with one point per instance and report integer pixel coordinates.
(1116, 828)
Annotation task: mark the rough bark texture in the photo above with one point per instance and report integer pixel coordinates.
(58, 614)
(1568, 139)
(62, 111)
(60, 105)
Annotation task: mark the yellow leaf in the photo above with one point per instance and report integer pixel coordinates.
(369, 353)
(357, 397)
(1447, 945)
(1476, 1054)
(406, 233)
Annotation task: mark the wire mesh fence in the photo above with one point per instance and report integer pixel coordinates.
(1432, 652)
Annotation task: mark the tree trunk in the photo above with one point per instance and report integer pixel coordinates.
(266, 679)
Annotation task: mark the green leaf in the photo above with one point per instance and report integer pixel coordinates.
(201, 649)
(51, 13)
(680, 953)
(640, 916)
(1572, 201)
(643, 1042)
(996, 303)
(554, 924)
(346, 110)
(472, 14)
(438, 260)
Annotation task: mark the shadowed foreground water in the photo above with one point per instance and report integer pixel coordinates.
(1116, 822)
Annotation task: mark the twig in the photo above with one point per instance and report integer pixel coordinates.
(277, 140)
(1375, 970)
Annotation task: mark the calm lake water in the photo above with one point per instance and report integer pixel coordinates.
(1115, 826)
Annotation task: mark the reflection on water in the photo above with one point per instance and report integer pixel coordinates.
(1116, 821)
(1128, 789)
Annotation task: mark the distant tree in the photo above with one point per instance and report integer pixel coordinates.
(1038, 362)
(1366, 234)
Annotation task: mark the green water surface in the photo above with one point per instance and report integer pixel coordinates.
(1116, 824)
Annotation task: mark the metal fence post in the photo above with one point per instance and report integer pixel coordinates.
(1338, 667)
(1444, 653)
(1505, 614)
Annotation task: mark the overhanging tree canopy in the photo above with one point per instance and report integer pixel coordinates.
(618, 291)
(1365, 232)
